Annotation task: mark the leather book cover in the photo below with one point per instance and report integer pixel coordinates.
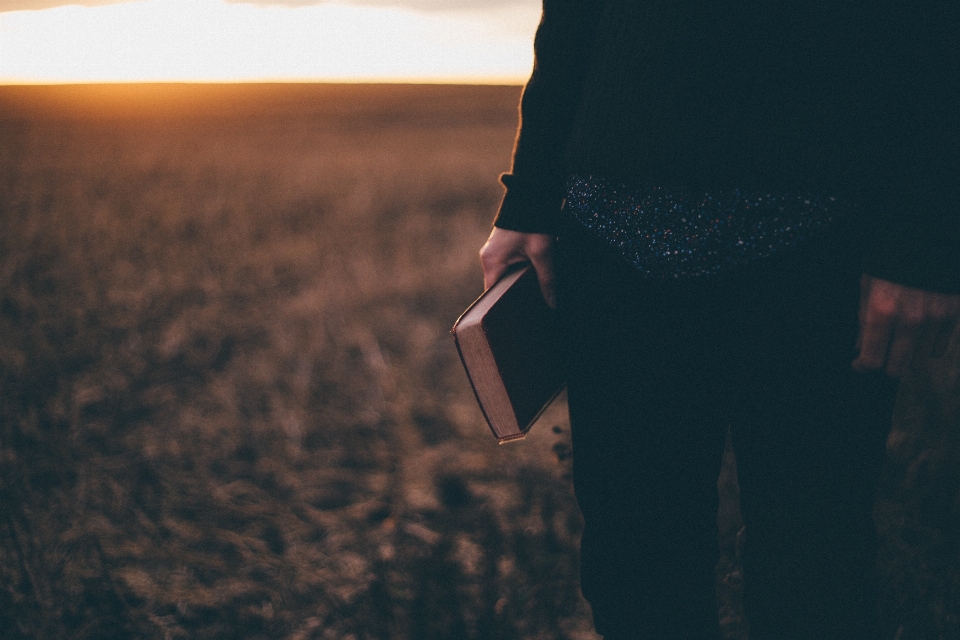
(507, 340)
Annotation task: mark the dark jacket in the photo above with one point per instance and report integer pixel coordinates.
(850, 98)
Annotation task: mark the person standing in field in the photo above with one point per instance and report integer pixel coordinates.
(746, 214)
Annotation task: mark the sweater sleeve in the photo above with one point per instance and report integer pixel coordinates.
(562, 51)
(915, 235)
(915, 240)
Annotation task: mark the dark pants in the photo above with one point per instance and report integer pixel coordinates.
(658, 372)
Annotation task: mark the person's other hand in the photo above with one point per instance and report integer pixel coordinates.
(505, 248)
(900, 323)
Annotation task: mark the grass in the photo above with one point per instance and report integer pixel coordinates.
(230, 406)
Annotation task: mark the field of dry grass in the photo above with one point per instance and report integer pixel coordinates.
(231, 408)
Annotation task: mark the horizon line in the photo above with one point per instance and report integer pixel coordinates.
(452, 80)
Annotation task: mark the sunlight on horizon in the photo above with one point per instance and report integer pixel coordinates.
(215, 41)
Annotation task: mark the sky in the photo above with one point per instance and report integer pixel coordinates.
(48, 41)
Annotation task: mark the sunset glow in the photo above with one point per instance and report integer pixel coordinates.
(212, 40)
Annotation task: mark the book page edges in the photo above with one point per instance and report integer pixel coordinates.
(523, 434)
(517, 432)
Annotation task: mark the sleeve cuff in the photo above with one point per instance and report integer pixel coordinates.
(530, 207)
(918, 251)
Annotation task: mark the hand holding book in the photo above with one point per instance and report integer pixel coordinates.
(505, 248)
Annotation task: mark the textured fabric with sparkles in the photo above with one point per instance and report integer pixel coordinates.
(675, 234)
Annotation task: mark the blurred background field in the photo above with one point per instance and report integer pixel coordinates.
(230, 406)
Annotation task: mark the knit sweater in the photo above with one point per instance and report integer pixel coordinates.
(854, 98)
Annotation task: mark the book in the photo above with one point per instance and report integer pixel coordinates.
(508, 343)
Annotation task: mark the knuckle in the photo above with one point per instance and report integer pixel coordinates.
(884, 311)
